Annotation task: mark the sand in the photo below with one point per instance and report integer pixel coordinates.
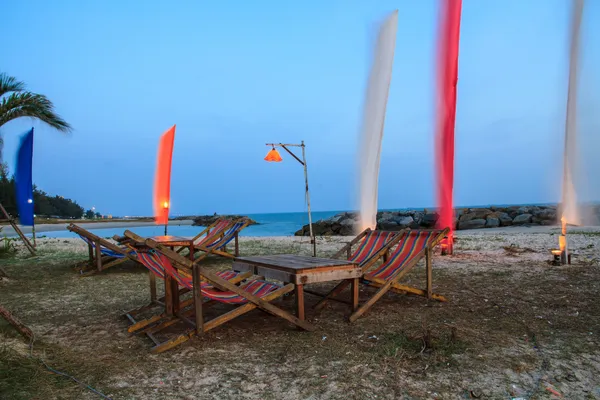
(514, 326)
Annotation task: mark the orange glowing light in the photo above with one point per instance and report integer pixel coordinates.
(273, 156)
(556, 252)
(166, 204)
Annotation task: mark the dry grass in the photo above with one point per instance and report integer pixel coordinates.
(514, 326)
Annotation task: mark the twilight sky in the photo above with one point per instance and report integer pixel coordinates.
(234, 75)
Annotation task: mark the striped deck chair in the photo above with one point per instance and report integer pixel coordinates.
(102, 253)
(205, 284)
(211, 233)
(412, 247)
(219, 246)
(370, 246)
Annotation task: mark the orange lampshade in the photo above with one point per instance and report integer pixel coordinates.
(273, 156)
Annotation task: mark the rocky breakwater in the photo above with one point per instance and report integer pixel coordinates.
(344, 224)
(206, 220)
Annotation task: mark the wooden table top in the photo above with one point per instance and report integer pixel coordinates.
(172, 240)
(295, 264)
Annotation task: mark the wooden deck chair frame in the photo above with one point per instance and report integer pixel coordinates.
(382, 253)
(216, 249)
(391, 283)
(199, 274)
(160, 321)
(97, 261)
(8, 218)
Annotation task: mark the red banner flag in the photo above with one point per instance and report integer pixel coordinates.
(446, 112)
(162, 179)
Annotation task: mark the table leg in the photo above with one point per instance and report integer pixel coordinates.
(152, 280)
(168, 295)
(300, 301)
(355, 284)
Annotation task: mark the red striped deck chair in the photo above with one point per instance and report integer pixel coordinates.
(102, 253)
(370, 245)
(208, 285)
(156, 270)
(411, 248)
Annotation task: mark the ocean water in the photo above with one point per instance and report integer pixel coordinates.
(280, 224)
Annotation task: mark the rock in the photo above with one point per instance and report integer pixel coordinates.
(388, 226)
(505, 219)
(348, 222)
(546, 213)
(492, 222)
(480, 212)
(206, 220)
(429, 219)
(522, 219)
(472, 224)
(403, 221)
(467, 217)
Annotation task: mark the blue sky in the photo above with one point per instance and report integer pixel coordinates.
(234, 75)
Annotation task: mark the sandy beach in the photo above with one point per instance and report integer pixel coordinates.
(513, 326)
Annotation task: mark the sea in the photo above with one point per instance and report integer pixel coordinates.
(275, 224)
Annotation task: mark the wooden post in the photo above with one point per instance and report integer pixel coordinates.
(152, 280)
(355, 285)
(98, 256)
(300, 301)
(12, 223)
(23, 330)
(197, 281)
(168, 295)
(91, 253)
(175, 294)
(313, 240)
(237, 245)
(429, 268)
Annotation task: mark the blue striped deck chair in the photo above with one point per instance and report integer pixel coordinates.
(219, 246)
(102, 253)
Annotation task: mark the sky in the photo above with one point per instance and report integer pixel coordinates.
(234, 75)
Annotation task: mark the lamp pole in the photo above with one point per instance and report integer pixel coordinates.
(313, 240)
(166, 208)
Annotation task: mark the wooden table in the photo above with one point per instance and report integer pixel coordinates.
(171, 285)
(301, 270)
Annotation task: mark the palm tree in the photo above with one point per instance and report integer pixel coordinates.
(16, 102)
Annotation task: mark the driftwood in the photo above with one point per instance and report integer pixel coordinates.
(23, 330)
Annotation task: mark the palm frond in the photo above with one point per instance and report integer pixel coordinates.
(10, 84)
(27, 104)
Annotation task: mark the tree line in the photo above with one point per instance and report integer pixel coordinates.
(43, 203)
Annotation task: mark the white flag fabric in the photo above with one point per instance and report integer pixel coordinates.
(376, 98)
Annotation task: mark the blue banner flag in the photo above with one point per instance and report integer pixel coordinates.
(24, 179)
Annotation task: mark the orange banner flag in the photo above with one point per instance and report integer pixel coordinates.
(162, 179)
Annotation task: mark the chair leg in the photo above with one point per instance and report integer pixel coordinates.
(365, 307)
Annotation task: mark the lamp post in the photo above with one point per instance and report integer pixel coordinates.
(166, 208)
(274, 156)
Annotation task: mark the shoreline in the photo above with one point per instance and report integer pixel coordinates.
(41, 228)
(520, 229)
